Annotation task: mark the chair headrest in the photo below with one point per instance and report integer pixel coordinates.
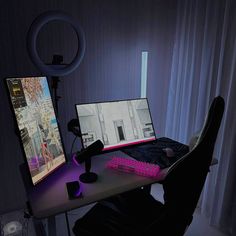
(213, 119)
(209, 131)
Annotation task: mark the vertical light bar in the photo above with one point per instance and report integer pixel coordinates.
(144, 74)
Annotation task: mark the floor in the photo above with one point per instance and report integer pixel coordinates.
(198, 227)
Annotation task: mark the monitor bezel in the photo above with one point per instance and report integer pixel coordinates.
(118, 147)
(17, 132)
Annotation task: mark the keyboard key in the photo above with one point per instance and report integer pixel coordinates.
(133, 166)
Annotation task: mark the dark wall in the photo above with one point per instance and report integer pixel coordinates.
(116, 33)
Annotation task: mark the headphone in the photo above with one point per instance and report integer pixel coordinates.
(73, 126)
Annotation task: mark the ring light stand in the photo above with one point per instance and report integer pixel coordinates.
(55, 69)
(56, 60)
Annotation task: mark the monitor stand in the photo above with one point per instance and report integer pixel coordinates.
(88, 177)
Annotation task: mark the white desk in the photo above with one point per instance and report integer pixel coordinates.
(50, 198)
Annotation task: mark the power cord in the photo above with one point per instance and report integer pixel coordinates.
(27, 215)
(72, 145)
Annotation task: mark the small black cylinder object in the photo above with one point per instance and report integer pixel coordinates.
(73, 189)
(93, 149)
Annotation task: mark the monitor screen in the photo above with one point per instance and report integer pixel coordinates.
(117, 124)
(37, 123)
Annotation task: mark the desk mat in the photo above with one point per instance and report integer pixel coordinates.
(153, 153)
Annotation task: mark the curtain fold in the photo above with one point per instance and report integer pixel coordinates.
(204, 66)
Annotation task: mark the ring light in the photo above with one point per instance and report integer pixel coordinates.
(33, 32)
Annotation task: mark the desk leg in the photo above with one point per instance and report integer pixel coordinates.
(52, 226)
(39, 228)
(67, 224)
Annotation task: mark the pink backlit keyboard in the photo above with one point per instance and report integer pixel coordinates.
(133, 166)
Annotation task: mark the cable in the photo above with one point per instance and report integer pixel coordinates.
(72, 145)
(27, 217)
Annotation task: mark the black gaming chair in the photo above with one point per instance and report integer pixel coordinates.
(137, 213)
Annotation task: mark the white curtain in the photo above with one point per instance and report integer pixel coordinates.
(204, 66)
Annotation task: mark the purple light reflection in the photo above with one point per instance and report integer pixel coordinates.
(75, 161)
(79, 192)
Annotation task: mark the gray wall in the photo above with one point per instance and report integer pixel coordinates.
(116, 33)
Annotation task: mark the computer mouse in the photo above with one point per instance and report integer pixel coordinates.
(169, 152)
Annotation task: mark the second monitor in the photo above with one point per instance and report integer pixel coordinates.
(116, 123)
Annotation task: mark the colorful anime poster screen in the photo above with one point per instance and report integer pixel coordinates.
(38, 126)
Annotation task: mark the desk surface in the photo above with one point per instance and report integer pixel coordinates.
(50, 196)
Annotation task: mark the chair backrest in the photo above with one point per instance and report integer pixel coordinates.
(185, 180)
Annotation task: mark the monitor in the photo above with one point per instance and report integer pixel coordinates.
(37, 124)
(117, 123)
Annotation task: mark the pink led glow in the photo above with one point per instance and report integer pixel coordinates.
(74, 160)
(79, 192)
(128, 144)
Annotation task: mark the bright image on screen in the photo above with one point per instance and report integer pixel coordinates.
(37, 123)
(116, 124)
